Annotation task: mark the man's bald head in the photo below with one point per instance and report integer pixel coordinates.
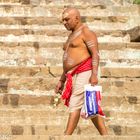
(71, 18)
(71, 11)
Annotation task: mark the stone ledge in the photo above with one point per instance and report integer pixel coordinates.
(133, 45)
(14, 71)
(43, 112)
(56, 120)
(43, 38)
(57, 32)
(36, 85)
(112, 101)
(120, 72)
(98, 26)
(81, 131)
(53, 116)
(56, 20)
(45, 44)
(41, 56)
(52, 137)
(108, 72)
(56, 9)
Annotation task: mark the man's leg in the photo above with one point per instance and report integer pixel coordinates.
(72, 122)
(100, 125)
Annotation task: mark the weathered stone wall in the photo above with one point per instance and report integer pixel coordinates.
(105, 2)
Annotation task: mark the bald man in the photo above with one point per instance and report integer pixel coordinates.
(80, 67)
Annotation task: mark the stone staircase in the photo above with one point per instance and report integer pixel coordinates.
(31, 40)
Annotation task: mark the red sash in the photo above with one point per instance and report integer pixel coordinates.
(84, 66)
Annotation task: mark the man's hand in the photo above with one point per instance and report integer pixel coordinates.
(93, 80)
(59, 87)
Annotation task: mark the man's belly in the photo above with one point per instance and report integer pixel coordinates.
(70, 62)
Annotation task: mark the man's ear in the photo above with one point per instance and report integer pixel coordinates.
(77, 18)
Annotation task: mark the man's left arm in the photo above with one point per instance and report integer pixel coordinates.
(91, 42)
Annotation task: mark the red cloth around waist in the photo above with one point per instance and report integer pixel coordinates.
(84, 66)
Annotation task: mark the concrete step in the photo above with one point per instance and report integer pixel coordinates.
(44, 129)
(56, 9)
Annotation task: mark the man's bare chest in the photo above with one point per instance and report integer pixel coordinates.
(74, 44)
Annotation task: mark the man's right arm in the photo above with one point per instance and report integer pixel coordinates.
(60, 85)
(63, 77)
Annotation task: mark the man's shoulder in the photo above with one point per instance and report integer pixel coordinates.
(88, 32)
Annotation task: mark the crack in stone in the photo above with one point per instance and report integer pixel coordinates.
(51, 72)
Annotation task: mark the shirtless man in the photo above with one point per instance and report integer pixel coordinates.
(80, 46)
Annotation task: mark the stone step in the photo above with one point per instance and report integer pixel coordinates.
(55, 32)
(40, 85)
(35, 38)
(76, 2)
(113, 70)
(41, 71)
(43, 2)
(32, 87)
(31, 56)
(57, 120)
(56, 112)
(74, 137)
(97, 26)
(58, 116)
(110, 101)
(48, 44)
(43, 62)
(41, 20)
(44, 129)
(80, 130)
(56, 10)
(116, 72)
(106, 71)
(103, 31)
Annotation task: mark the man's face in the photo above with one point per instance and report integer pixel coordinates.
(69, 20)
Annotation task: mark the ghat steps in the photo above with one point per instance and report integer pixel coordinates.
(31, 41)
